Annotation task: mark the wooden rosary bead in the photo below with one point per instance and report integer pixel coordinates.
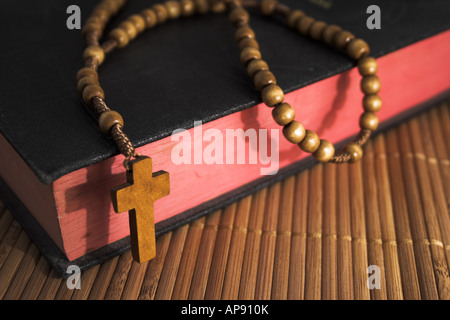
(108, 119)
(150, 18)
(244, 32)
(283, 114)
(256, 65)
(84, 82)
(372, 102)
(161, 12)
(268, 7)
(101, 14)
(272, 95)
(357, 48)
(239, 16)
(293, 18)
(218, 6)
(202, 6)
(342, 39)
(248, 54)
(263, 78)
(94, 52)
(369, 120)
(187, 8)
(370, 84)
(87, 72)
(355, 151)
(121, 36)
(129, 28)
(248, 42)
(173, 9)
(310, 143)
(304, 23)
(111, 6)
(91, 91)
(324, 152)
(95, 20)
(329, 32)
(294, 132)
(316, 29)
(367, 66)
(138, 22)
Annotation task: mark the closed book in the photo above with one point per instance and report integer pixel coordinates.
(189, 104)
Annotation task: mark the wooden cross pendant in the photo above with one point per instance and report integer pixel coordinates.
(137, 196)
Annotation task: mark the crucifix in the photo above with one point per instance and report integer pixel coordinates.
(137, 196)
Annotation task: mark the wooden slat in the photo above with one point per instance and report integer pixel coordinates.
(233, 271)
(394, 289)
(37, 280)
(171, 264)
(23, 274)
(204, 258)
(5, 223)
(104, 275)
(87, 282)
(268, 239)
(344, 237)
(9, 240)
(297, 265)
(329, 241)
(373, 225)
(187, 264)
(252, 246)
(50, 287)
(9, 268)
(283, 245)
(154, 268)
(359, 240)
(119, 277)
(220, 256)
(313, 282)
(408, 268)
(134, 281)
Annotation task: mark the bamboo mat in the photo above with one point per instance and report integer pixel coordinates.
(310, 236)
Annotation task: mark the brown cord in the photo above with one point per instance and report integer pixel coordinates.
(123, 143)
(109, 45)
(363, 137)
(92, 39)
(341, 157)
(91, 63)
(99, 105)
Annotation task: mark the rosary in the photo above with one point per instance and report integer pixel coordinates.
(144, 187)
